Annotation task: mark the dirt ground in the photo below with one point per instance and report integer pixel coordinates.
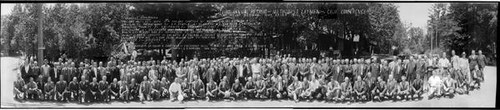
(485, 97)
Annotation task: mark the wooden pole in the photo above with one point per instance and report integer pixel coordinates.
(40, 34)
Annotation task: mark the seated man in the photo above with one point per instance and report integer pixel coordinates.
(305, 89)
(124, 91)
(346, 90)
(360, 89)
(133, 90)
(462, 85)
(236, 90)
(84, 90)
(197, 88)
(32, 91)
(435, 84)
(212, 90)
(164, 86)
(417, 87)
(186, 88)
(73, 89)
(392, 88)
(224, 88)
(261, 88)
(62, 90)
(294, 89)
(176, 91)
(379, 89)
(476, 78)
(449, 86)
(94, 90)
(404, 89)
(370, 84)
(333, 90)
(155, 90)
(318, 90)
(145, 89)
(281, 88)
(19, 88)
(49, 91)
(250, 89)
(104, 90)
(271, 90)
(114, 89)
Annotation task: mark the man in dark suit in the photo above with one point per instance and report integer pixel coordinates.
(25, 69)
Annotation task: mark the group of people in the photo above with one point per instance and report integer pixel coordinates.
(276, 78)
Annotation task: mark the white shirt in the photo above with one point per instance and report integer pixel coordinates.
(435, 81)
(27, 68)
(256, 68)
(443, 62)
(175, 87)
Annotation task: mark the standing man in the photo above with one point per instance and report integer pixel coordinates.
(481, 59)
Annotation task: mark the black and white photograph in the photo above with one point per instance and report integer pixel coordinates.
(248, 55)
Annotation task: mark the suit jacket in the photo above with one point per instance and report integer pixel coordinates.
(25, 73)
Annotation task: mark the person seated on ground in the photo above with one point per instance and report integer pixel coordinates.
(261, 88)
(124, 91)
(404, 89)
(145, 89)
(449, 86)
(73, 89)
(212, 90)
(318, 89)
(186, 88)
(462, 86)
(281, 88)
(417, 87)
(346, 90)
(114, 89)
(294, 89)
(370, 84)
(164, 86)
(379, 89)
(84, 90)
(49, 91)
(155, 90)
(360, 89)
(435, 83)
(62, 90)
(94, 90)
(197, 88)
(305, 89)
(271, 90)
(250, 89)
(19, 88)
(224, 88)
(176, 92)
(104, 90)
(133, 90)
(476, 78)
(391, 88)
(333, 90)
(236, 90)
(40, 84)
